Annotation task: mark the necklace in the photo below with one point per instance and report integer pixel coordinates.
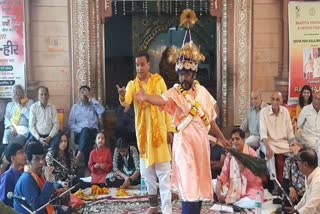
(195, 109)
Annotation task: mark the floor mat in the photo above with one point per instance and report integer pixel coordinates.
(124, 207)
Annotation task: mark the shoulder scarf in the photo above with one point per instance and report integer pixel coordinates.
(142, 128)
(195, 108)
(18, 113)
(237, 182)
(40, 180)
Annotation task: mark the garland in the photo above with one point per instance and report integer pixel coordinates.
(195, 110)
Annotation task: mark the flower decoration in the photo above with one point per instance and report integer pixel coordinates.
(188, 51)
(188, 18)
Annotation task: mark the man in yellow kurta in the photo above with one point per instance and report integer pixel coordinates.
(153, 133)
(193, 110)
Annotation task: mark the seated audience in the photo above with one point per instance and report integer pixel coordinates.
(242, 184)
(308, 165)
(217, 156)
(100, 161)
(252, 120)
(126, 166)
(36, 186)
(275, 132)
(16, 121)
(83, 121)
(15, 155)
(63, 175)
(309, 122)
(293, 179)
(43, 122)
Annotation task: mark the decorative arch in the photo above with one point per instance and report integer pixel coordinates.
(233, 51)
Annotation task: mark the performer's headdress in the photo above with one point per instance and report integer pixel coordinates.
(189, 55)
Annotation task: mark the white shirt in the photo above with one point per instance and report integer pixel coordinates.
(43, 121)
(252, 121)
(310, 202)
(277, 129)
(309, 122)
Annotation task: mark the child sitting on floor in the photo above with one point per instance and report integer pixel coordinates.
(100, 161)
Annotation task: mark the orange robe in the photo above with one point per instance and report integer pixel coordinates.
(191, 173)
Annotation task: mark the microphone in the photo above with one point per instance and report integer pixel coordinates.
(11, 195)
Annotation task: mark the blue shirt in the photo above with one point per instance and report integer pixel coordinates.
(7, 183)
(35, 198)
(85, 116)
(252, 121)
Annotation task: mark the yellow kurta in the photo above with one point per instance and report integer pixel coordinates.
(155, 152)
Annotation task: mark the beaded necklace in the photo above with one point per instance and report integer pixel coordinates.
(195, 109)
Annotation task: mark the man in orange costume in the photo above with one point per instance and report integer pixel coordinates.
(193, 111)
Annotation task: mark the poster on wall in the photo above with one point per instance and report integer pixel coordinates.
(12, 46)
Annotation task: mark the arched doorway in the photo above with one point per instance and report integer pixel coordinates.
(154, 34)
(233, 52)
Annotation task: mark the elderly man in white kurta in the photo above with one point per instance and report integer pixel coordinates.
(275, 131)
(309, 122)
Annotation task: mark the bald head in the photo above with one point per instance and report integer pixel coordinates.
(277, 93)
(310, 157)
(276, 101)
(256, 99)
(316, 100)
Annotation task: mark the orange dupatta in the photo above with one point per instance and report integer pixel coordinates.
(41, 181)
(142, 129)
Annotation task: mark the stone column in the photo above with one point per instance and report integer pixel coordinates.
(87, 47)
(281, 81)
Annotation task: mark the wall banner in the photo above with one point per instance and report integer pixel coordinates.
(12, 46)
(304, 47)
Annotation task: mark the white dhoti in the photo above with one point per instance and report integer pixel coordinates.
(278, 147)
(253, 141)
(271, 165)
(245, 202)
(163, 172)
